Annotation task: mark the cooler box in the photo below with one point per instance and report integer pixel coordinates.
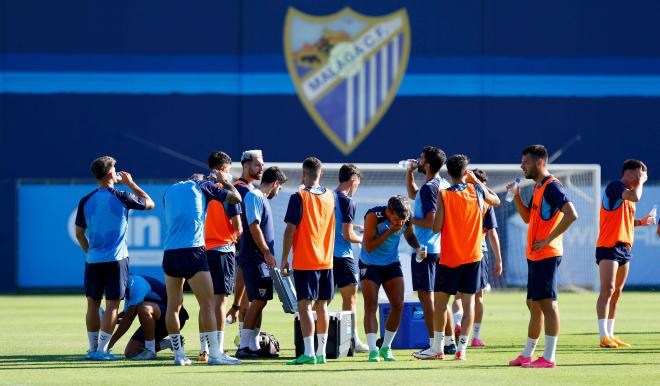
(340, 334)
(412, 330)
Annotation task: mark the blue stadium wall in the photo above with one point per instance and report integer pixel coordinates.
(564, 68)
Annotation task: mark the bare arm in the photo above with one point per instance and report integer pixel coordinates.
(491, 198)
(371, 239)
(287, 242)
(127, 180)
(411, 186)
(348, 234)
(236, 223)
(410, 238)
(260, 242)
(635, 194)
(523, 210)
(494, 240)
(82, 239)
(570, 215)
(426, 222)
(439, 215)
(123, 325)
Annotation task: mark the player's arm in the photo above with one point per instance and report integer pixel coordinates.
(523, 210)
(635, 194)
(348, 233)
(236, 223)
(439, 220)
(233, 196)
(371, 239)
(429, 207)
(260, 242)
(570, 215)
(347, 209)
(124, 325)
(494, 240)
(287, 242)
(489, 196)
(292, 218)
(82, 239)
(411, 186)
(127, 180)
(410, 238)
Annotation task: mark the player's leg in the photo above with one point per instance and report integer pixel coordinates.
(621, 276)
(478, 317)
(467, 300)
(370, 290)
(202, 287)
(94, 295)
(608, 272)
(307, 287)
(423, 280)
(174, 287)
(394, 291)
(535, 318)
(115, 277)
(346, 273)
(325, 288)
(457, 311)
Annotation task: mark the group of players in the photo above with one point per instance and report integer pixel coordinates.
(209, 218)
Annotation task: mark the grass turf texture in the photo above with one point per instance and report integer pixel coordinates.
(42, 341)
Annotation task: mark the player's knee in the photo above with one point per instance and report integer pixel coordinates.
(397, 305)
(144, 311)
(607, 290)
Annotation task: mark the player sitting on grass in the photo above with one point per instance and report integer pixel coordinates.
(101, 224)
(617, 230)
(380, 266)
(146, 298)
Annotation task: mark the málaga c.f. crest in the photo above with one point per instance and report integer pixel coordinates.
(346, 68)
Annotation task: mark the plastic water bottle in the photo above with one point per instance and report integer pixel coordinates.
(422, 251)
(404, 164)
(512, 192)
(652, 215)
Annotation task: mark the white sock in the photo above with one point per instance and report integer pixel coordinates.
(322, 340)
(93, 338)
(431, 341)
(438, 341)
(602, 328)
(309, 345)
(449, 340)
(150, 345)
(610, 327)
(104, 341)
(550, 348)
(212, 338)
(462, 344)
(475, 330)
(388, 338)
(177, 345)
(529, 347)
(254, 341)
(221, 341)
(203, 343)
(371, 341)
(458, 317)
(246, 334)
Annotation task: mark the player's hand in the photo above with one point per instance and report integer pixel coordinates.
(412, 165)
(270, 260)
(126, 178)
(396, 226)
(646, 221)
(358, 228)
(497, 271)
(540, 244)
(512, 185)
(285, 267)
(470, 177)
(421, 253)
(644, 177)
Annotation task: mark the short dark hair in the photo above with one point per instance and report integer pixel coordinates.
(312, 166)
(399, 206)
(632, 164)
(347, 171)
(101, 166)
(435, 157)
(273, 174)
(536, 152)
(218, 158)
(457, 165)
(481, 175)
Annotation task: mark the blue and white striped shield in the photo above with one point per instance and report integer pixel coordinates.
(346, 68)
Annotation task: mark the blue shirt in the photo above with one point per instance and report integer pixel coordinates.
(490, 222)
(144, 289)
(554, 198)
(613, 196)
(257, 208)
(344, 214)
(103, 214)
(426, 202)
(185, 212)
(388, 251)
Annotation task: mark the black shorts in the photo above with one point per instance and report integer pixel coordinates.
(221, 265)
(423, 274)
(466, 278)
(484, 271)
(315, 284)
(258, 284)
(619, 253)
(110, 278)
(184, 262)
(345, 271)
(161, 328)
(542, 278)
(380, 274)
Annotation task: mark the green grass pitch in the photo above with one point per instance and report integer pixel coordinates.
(42, 340)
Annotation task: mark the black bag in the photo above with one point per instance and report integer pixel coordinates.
(269, 346)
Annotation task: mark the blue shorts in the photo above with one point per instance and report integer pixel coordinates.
(221, 265)
(542, 278)
(315, 284)
(110, 278)
(161, 329)
(345, 271)
(466, 278)
(380, 274)
(185, 262)
(484, 271)
(423, 274)
(619, 253)
(258, 284)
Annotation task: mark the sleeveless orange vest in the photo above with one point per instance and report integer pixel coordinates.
(314, 238)
(218, 228)
(617, 225)
(462, 230)
(540, 229)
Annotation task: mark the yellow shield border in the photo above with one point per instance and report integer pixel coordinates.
(346, 149)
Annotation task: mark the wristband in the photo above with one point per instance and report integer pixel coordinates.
(235, 307)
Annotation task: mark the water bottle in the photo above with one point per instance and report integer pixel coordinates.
(421, 252)
(652, 215)
(404, 164)
(118, 176)
(512, 192)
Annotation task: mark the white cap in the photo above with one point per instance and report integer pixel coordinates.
(249, 155)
